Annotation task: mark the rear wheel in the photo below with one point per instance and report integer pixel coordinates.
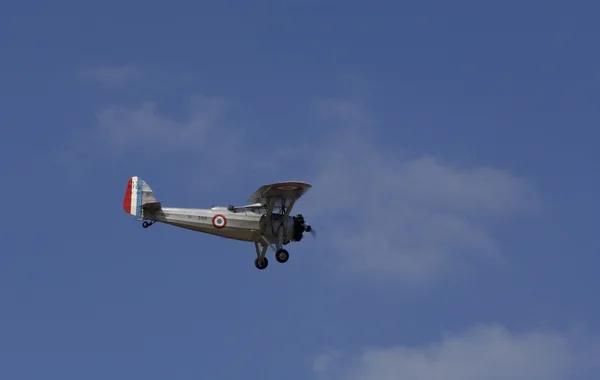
(261, 263)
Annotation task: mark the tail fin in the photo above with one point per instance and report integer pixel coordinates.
(137, 194)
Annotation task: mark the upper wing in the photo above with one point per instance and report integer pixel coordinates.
(285, 191)
(282, 195)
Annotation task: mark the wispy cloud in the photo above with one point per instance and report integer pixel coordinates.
(203, 136)
(145, 128)
(113, 76)
(484, 352)
(389, 215)
(208, 135)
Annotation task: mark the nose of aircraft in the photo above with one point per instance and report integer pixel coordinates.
(310, 230)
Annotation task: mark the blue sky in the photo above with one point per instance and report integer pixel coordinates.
(452, 149)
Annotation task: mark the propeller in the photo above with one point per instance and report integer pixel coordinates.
(307, 228)
(312, 231)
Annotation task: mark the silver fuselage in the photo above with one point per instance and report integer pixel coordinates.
(244, 225)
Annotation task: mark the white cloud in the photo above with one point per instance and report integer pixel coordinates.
(113, 76)
(388, 215)
(485, 352)
(202, 139)
(143, 127)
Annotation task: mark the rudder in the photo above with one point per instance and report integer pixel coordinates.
(137, 194)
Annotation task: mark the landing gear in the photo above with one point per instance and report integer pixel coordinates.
(261, 263)
(282, 255)
(147, 224)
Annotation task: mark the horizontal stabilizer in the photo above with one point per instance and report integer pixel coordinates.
(152, 206)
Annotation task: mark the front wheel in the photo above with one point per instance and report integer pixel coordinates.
(282, 256)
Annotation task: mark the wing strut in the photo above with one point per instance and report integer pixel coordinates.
(289, 208)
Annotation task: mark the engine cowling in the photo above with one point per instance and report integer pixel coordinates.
(300, 227)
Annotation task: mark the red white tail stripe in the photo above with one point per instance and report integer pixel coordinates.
(136, 194)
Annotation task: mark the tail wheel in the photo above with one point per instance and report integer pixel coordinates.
(282, 255)
(145, 224)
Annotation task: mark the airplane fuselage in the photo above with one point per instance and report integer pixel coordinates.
(220, 221)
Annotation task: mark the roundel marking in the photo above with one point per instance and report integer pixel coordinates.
(219, 221)
(287, 187)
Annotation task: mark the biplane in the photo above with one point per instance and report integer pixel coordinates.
(264, 221)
